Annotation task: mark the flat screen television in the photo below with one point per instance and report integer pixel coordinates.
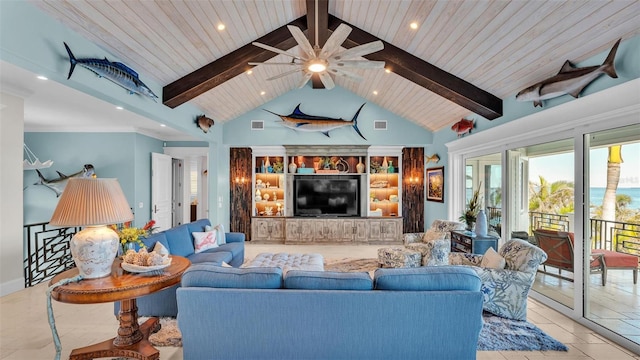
(326, 195)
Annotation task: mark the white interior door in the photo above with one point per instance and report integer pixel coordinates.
(161, 190)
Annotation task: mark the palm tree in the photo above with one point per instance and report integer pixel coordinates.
(551, 198)
(613, 177)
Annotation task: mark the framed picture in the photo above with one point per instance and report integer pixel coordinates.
(435, 184)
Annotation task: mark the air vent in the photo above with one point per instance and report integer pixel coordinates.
(257, 124)
(380, 125)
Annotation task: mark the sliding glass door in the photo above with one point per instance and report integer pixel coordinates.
(612, 218)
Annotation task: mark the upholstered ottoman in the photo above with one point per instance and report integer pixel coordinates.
(312, 262)
(434, 252)
(398, 258)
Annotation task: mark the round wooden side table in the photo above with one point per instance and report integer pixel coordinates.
(132, 339)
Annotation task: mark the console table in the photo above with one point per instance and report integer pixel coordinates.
(468, 242)
(132, 340)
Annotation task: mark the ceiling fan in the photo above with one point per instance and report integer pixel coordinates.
(326, 61)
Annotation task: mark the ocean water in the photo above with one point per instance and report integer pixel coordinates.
(596, 195)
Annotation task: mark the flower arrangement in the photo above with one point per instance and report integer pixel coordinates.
(132, 235)
(473, 207)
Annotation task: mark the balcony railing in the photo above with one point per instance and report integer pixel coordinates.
(46, 252)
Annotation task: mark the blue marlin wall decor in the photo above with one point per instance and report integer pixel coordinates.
(117, 72)
(300, 121)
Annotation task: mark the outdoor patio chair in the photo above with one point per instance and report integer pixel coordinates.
(559, 247)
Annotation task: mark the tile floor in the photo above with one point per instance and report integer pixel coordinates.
(25, 333)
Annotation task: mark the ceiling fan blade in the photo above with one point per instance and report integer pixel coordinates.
(305, 78)
(302, 40)
(276, 50)
(344, 73)
(360, 50)
(360, 64)
(335, 40)
(273, 63)
(284, 74)
(327, 81)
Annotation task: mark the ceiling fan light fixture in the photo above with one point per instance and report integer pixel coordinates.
(317, 65)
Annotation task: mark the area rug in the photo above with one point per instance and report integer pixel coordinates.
(497, 334)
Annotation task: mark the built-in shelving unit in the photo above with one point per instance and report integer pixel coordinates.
(377, 171)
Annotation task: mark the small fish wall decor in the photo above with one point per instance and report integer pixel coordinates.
(570, 80)
(462, 127)
(204, 123)
(116, 72)
(58, 184)
(300, 121)
(433, 158)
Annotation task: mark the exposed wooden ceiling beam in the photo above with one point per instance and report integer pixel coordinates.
(322, 28)
(228, 66)
(425, 74)
(399, 61)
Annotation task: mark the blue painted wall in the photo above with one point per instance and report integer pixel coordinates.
(335, 103)
(125, 156)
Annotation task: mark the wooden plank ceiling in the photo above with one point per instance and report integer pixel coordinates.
(498, 46)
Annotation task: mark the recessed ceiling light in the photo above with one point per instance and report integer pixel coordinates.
(249, 72)
(42, 77)
(387, 71)
(262, 92)
(413, 25)
(119, 107)
(375, 92)
(163, 125)
(221, 27)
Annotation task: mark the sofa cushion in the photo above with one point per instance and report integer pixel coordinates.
(180, 240)
(438, 278)
(234, 248)
(207, 275)
(198, 225)
(210, 256)
(220, 234)
(327, 280)
(151, 240)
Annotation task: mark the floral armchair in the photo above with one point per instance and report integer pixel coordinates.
(435, 243)
(505, 290)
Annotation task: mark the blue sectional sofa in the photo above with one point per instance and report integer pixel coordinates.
(179, 241)
(419, 313)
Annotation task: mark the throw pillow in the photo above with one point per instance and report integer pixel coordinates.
(219, 229)
(160, 249)
(491, 259)
(204, 241)
(431, 235)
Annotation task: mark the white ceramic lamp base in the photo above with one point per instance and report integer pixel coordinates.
(94, 249)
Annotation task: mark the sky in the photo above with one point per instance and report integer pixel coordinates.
(560, 167)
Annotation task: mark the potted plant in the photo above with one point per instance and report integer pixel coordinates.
(472, 209)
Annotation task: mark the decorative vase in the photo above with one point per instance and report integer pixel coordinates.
(258, 195)
(93, 250)
(360, 166)
(481, 224)
(385, 165)
(292, 167)
(391, 169)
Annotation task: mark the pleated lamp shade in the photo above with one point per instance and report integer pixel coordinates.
(87, 201)
(92, 203)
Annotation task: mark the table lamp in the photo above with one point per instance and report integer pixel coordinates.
(93, 204)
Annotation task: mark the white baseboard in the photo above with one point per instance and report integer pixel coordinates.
(12, 286)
